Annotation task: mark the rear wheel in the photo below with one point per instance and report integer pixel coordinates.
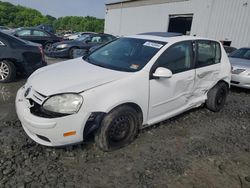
(7, 71)
(217, 97)
(118, 128)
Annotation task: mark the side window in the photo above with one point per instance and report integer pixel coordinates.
(106, 39)
(177, 58)
(25, 32)
(39, 33)
(208, 53)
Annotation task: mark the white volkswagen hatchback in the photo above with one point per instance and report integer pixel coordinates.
(122, 87)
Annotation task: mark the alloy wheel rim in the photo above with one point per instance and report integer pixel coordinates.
(4, 71)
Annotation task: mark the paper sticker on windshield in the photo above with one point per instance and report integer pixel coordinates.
(153, 45)
(134, 66)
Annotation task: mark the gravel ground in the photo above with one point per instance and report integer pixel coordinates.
(196, 149)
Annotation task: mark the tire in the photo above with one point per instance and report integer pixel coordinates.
(47, 47)
(7, 71)
(118, 129)
(71, 53)
(217, 97)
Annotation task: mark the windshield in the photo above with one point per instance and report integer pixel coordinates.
(82, 38)
(125, 54)
(243, 53)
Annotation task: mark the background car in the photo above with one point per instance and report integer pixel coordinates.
(18, 56)
(46, 39)
(46, 27)
(5, 29)
(2, 28)
(240, 61)
(78, 35)
(66, 48)
(229, 49)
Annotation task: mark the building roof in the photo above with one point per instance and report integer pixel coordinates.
(110, 2)
(162, 34)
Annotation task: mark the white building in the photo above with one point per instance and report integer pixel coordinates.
(224, 20)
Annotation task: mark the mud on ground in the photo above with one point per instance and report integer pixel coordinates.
(196, 149)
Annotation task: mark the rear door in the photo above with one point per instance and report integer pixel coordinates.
(208, 58)
(40, 37)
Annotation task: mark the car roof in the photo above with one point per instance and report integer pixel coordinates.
(31, 28)
(167, 39)
(162, 34)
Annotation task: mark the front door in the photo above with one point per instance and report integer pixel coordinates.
(169, 96)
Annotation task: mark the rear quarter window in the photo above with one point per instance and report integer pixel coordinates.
(208, 53)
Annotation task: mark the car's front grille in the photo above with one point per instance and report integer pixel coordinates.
(238, 71)
(37, 110)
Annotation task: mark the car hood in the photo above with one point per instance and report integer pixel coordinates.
(73, 76)
(241, 63)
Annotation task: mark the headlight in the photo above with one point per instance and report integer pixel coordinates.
(62, 46)
(64, 103)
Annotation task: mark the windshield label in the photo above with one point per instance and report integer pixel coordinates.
(153, 45)
(134, 66)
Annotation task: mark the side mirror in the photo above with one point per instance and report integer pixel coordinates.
(16, 35)
(163, 73)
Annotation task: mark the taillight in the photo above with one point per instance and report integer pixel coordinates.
(42, 52)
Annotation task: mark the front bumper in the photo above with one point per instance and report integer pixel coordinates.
(50, 132)
(241, 80)
(58, 53)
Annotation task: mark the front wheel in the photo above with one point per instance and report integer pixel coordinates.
(48, 47)
(71, 52)
(217, 97)
(7, 71)
(118, 128)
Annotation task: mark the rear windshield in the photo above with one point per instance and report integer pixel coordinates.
(13, 40)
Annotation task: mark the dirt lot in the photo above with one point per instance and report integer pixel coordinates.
(197, 149)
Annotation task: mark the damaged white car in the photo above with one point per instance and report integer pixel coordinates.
(122, 87)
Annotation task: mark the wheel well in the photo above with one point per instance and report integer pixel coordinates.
(223, 81)
(96, 118)
(11, 60)
(136, 107)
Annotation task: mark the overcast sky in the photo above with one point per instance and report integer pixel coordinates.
(58, 8)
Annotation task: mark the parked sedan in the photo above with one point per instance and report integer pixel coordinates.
(240, 61)
(66, 48)
(18, 56)
(229, 49)
(78, 35)
(37, 35)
